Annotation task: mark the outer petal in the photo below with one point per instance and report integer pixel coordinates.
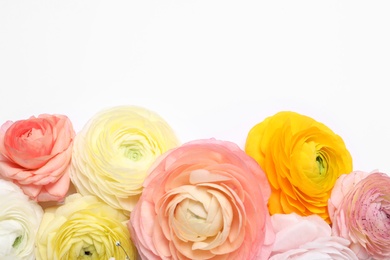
(307, 237)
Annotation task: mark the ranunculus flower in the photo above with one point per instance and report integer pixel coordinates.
(360, 212)
(344, 184)
(302, 159)
(84, 227)
(206, 199)
(19, 221)
(35, 154)
(307, 237)
(112, 153)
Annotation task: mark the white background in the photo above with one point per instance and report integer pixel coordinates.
(209, 68)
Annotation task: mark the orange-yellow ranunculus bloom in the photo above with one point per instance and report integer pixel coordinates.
(302, 159)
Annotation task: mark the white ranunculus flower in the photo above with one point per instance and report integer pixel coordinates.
(20, 218)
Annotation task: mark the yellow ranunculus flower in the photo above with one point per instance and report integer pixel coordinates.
(84, 227)
(114, 150)
(302, 159)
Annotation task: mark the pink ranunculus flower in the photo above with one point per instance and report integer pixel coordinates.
(307, 237)
(206, 199)
(360, 212)
(35, 154)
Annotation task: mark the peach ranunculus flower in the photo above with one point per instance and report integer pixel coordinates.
(206, 199)
(35, 154)
(302, 159)
(359, 208)
(84, 227)
(307, 237)
(113, 151)
(20, 218)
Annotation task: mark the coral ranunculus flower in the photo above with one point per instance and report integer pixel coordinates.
(206, 199)
(302, 159)
(35, 154)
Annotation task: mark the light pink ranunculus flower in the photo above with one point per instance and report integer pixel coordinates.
(307, 237)
(35, 154)
(206, 199)
(359, 208)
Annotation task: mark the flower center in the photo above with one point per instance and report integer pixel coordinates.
(321, 164)
(196, 212)
(131, 151)
(200, 217)
(17, 242)
(88, 252)
(32, 134)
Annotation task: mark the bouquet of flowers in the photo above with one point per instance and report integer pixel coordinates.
(125, 187)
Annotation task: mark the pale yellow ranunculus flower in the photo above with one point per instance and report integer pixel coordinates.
(302, 159)
(84, 227)
(114, 150)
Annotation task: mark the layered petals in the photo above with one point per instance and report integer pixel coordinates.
(20, 218)
(84, 227)
(203, 200)
(114, 150)
(360, 207)
(302, 159)
(307, 237)
(35, 154)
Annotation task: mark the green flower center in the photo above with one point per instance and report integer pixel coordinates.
(17, 242)
(131, 152)
(322, 165)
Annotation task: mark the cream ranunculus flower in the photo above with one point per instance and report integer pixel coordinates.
(19, 221)
(84, 227)
(114, 150)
